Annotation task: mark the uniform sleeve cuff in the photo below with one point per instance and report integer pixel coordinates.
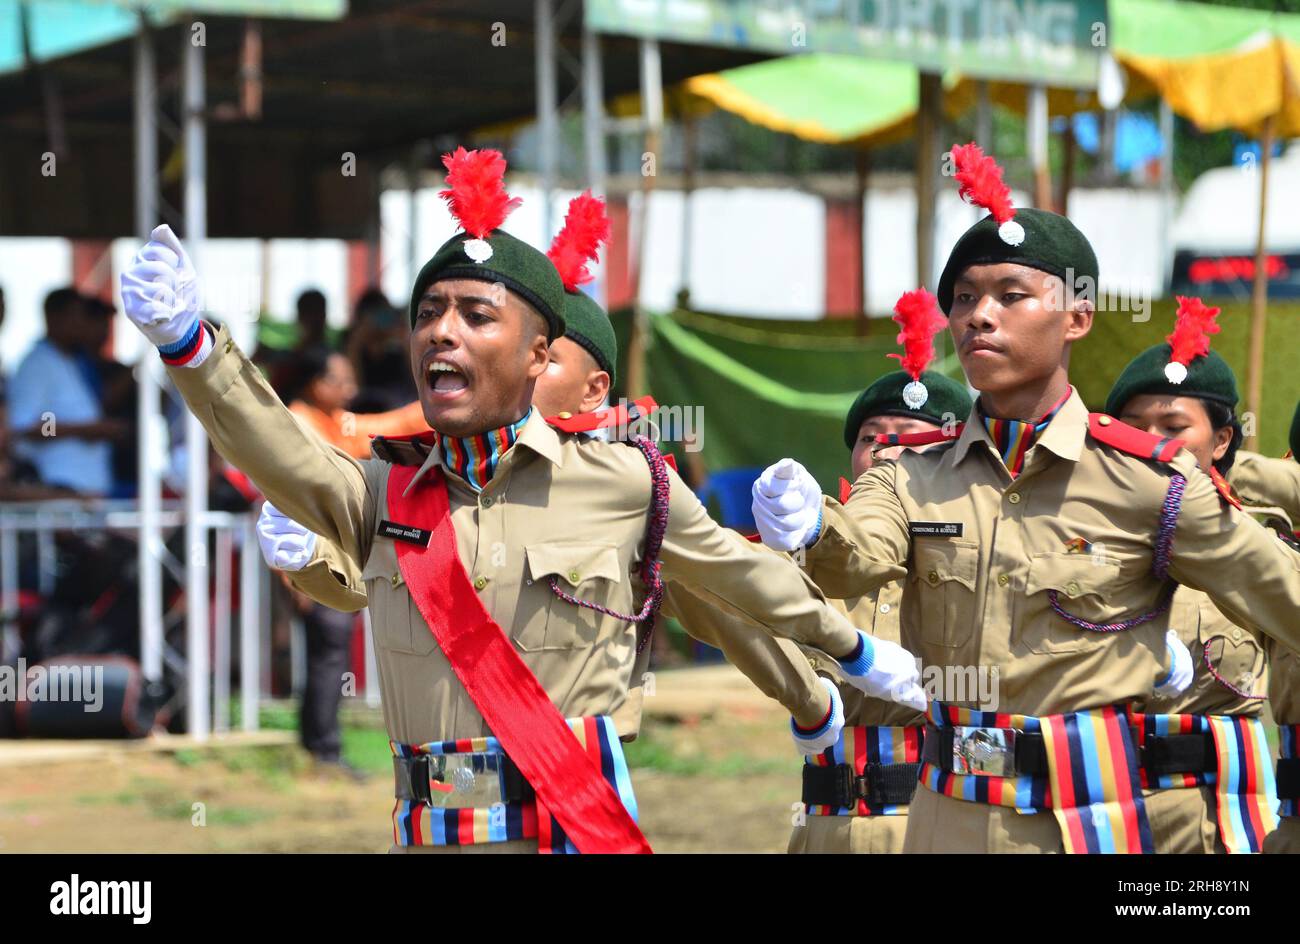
(206, 380)
(190, 351)
(816, 531)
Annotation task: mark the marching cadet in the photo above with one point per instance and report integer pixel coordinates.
(860, 770)
(576, 383)
(499, 555)
(1206, 771)
(1284, 674)
(1037, 541)
(856, 792)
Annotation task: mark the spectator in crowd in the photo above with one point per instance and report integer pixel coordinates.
(311, 319)
(114, 383)
(57, 420)
(3, 392)
(376, 345)
(284, 368)
(325, 394)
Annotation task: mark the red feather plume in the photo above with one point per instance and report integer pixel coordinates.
(980, 180)
(475, 190)
(917, 313)
(586, 228)
(1191, 336)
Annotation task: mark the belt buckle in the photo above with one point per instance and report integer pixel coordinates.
(984, 752)
(458, 781)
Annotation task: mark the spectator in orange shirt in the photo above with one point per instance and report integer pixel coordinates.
(328, 387)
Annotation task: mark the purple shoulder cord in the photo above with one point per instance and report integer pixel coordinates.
(656, 527)
(1159, 568)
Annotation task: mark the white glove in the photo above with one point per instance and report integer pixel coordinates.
(885, 670)
(787, 506)
(160, 290)
(1181, 669)
(812, 743)
(285, 543)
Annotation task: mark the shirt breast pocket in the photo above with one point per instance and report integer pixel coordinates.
(1085, 587)
(394, 619)
(943, 573)
(588, 572)
(1236, 659)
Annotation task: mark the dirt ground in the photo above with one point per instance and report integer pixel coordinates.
(713, 771)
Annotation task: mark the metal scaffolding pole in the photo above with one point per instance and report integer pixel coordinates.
(593, 126)
(147, 372)
(1037, 123)
(198, 710)
(1167, 196)
(929, 129)
(250, 625)
(652, 119)
(548, 129)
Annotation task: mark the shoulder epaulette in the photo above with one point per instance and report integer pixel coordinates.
(926, 438)
(622, 415)
(845, 487)
(412, 449)
(1224, 489)
(1106, 429)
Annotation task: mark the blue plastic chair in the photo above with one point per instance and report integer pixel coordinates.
(731, 489)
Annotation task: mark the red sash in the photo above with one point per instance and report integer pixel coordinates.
(513, 703)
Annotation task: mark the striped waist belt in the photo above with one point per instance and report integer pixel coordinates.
(1226, 752)
(869, 771)
(1082, 766)
(1288, 769)
(466, 792)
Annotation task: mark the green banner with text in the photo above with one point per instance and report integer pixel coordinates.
(1055, 42)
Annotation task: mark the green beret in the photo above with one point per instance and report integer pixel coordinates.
(587, 325)
(1295, 434)
(515, 264)
(1209, 377)
(1052, 244)
(885, 398)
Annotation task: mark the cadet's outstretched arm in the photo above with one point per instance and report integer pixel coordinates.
(314, 565)
(249, 426)
(863, 544)
(1266, 481)
(1249, 573)
(769, 591)
(777, 667)
(760, 587)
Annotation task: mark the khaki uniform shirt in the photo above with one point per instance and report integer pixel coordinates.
(558, 505)
(778, 667)
(980, 597)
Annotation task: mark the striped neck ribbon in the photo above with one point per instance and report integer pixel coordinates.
(475, 458)
(1013, 438)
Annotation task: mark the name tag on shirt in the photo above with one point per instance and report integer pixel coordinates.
(935, 529)
(405, 532)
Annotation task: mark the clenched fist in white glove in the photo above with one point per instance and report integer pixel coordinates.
(885, 670)
(1181, 669)
(828, 733)
(285, 543)
(787, 506)
(160, 294)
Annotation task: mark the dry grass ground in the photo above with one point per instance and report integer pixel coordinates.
(713, 772)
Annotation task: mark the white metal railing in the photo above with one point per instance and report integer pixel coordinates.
(214, 667)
